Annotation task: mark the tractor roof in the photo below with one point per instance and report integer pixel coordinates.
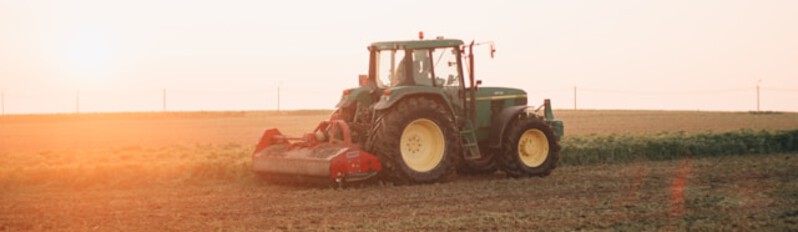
(417, 44)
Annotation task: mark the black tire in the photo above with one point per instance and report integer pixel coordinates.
(516, 164)
(389, 128)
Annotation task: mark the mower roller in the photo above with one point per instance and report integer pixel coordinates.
(419, 116)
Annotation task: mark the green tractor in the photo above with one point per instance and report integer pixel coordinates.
(419, 116)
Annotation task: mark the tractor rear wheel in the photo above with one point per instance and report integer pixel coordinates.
(530, 148)
(415, 142)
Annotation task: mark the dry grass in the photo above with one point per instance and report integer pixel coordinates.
(126, 167)
(189, 171)
(69, 132)
(121, 147)
(585, 122)
(130, 149)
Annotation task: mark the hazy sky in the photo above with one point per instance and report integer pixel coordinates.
(232, 55)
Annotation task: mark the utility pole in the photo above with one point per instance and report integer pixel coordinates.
(574, 97)
(164, 100)
(77, 102)
(278, 95)
(757, 94)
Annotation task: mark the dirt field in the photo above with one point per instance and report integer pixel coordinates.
(188, 172)
(752, 193)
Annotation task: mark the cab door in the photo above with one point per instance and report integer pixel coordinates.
(447, 74)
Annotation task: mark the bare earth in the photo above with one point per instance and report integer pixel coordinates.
(187, 172)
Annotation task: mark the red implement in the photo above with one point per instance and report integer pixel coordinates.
(328, 152)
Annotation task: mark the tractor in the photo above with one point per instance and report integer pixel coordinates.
(419, 116)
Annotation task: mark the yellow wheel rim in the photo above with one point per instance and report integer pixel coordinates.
(533, 148)
(422, 145)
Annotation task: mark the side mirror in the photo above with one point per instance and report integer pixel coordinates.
(363, 80)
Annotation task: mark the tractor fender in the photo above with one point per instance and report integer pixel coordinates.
(499, 124)
(387, 102)
(353, 96)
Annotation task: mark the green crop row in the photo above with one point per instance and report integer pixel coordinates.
(605, 149)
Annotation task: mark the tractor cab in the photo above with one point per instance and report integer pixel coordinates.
(416, 63)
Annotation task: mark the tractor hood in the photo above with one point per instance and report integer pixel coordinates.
(499, 93)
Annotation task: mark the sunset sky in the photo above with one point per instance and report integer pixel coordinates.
(233, 55)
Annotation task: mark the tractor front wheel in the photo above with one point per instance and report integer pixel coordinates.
(530, 149)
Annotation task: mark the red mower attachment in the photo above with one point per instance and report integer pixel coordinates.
(328, 152)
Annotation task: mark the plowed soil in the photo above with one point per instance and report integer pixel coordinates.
(751, 193)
